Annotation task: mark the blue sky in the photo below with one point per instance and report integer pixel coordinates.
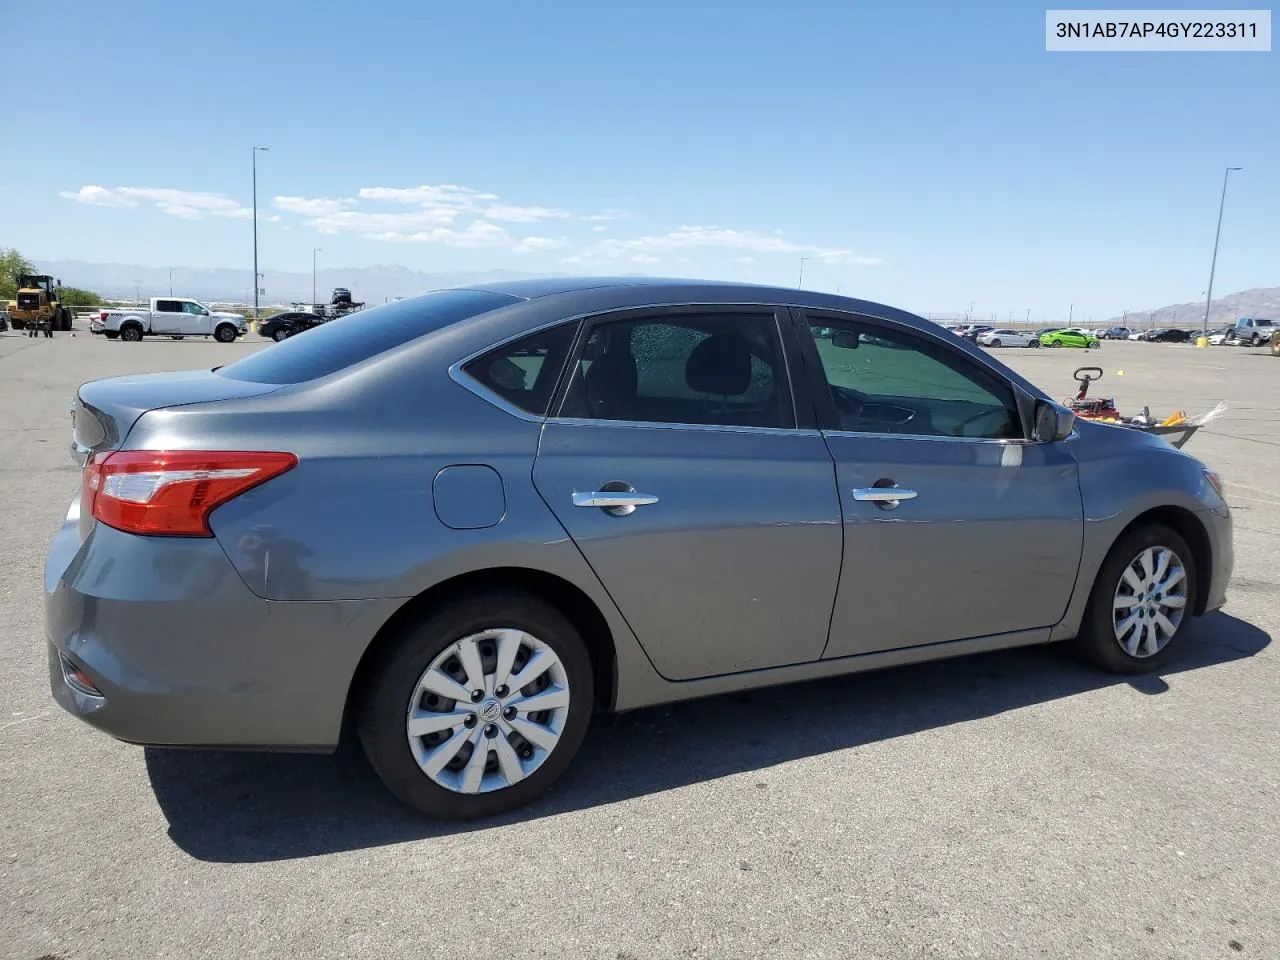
(930, 155)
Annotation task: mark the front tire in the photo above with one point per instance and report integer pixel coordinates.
(225, 334)
(1055, 343)
(1141, 602)
(995, 343)
(486, 749)
(1256, 341)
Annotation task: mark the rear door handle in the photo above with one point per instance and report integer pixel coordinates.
(885, 495)
(612, 498)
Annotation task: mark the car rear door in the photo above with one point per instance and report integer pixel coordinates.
(168, 317)
(955, 526)
(677, 464)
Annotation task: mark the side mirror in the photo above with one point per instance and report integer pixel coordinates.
(846, 341)
(1052, 422)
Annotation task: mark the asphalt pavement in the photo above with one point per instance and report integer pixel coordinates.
(1015, 804)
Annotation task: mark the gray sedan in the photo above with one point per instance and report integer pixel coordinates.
(470, 520)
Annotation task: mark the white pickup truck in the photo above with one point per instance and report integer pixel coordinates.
(169, 317)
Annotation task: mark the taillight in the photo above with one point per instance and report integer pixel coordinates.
(172, 492)
(102, 315)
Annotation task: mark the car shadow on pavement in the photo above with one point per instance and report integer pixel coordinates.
(234, 807)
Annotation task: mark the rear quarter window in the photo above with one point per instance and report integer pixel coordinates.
(343, 343)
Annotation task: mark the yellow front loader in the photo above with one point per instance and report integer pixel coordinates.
(38, 300)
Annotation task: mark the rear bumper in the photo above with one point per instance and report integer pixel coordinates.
(184, 654)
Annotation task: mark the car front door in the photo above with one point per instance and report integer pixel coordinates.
(675, 462)
(956, 526)
(195, 320)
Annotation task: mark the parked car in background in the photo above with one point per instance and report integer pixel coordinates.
(1069, 338)
(171, 317)
(4, 317)
(459, 513)
(1167, 335)
(1218, 337)
(1116, 333)
(285, 325)
(974, 331)
(1253, 331)
(1007, 338)
(1136, 335)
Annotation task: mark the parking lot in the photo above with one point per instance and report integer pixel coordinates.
(1014, 804)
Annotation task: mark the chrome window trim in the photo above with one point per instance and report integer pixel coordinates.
(695, 427)
(1010, 441)
(460, 377)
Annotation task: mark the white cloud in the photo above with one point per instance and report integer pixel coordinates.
(445, 194)
(599, 229)
(513, 214)
(746, 259)
(644, 258)
(698, 237)
(476, 235)
(312, 206)
(98, 197)
(532, 244)
(607, 215)
(187, 204)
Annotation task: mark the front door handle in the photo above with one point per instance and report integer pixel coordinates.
(885, 496)
(612, 498)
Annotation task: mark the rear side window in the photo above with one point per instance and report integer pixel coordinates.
(524, 372)
(342, 343)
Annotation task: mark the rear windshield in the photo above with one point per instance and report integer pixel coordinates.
(349, 340)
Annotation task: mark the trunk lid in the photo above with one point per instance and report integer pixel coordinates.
(104, 411)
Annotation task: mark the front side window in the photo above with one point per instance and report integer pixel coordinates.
(884, 380)
(718, 368)
(194, 308)
(525, 372)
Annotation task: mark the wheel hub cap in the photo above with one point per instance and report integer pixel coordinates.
(466, 737)
(1149, 602)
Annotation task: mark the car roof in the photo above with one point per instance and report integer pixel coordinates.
(534, 288)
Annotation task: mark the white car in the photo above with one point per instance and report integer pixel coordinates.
(1136, 335)
(172, 317)
(1008, 338)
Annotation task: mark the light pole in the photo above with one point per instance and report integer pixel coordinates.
(137, 292)
(1071, 312)
(1213, 264)
(171, 281)
(802, 262)
(255, 228)
(314, 251)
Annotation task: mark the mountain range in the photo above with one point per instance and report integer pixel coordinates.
(372, 285)
(1259, 302)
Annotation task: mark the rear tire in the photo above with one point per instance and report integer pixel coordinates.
(111, 334)
(394, 690)
(226, 334)
(280, 335)
(1033, 344)
(1098, 641)
(131, 332)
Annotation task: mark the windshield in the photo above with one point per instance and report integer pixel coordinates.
(349, 340)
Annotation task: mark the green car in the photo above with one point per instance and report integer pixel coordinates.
(1069, 338)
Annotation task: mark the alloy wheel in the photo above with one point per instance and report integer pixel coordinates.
(488, 711)
(1149, 602)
